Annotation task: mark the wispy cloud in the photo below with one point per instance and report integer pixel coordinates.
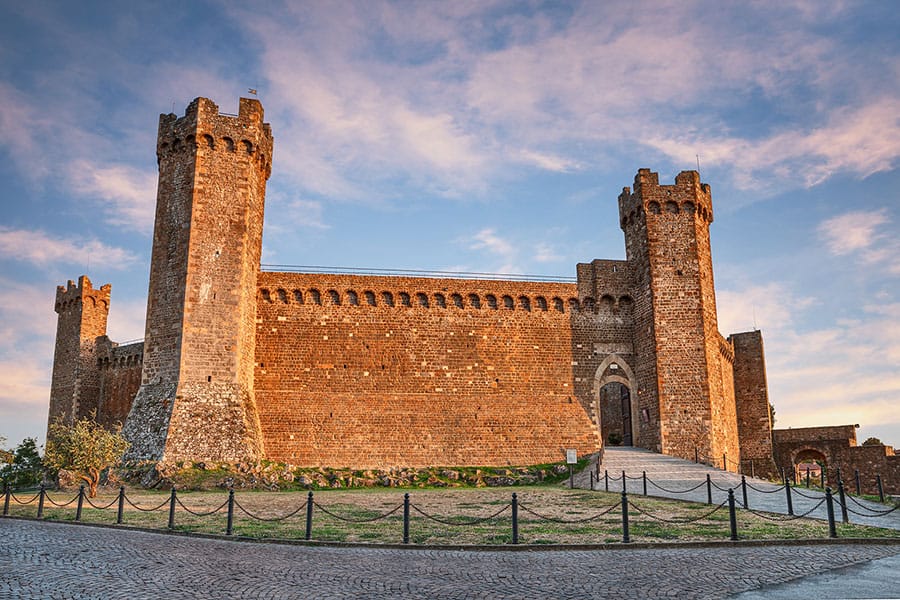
(126, 194)
(864, 234)
(42, 249)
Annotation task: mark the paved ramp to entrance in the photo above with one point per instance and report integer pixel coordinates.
(670, 477)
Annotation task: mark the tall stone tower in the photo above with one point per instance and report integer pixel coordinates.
(75, 387)
(684, 369)
(196, 399)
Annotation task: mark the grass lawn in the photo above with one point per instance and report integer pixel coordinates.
(547, 515)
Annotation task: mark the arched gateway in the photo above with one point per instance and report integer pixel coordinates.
(614, 410)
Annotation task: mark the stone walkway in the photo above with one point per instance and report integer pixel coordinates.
(667, 475)
(65, 561)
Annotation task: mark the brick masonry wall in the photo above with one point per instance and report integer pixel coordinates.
(455, 372)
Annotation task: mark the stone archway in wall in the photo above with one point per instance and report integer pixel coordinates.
(804, 458)
(615, 404)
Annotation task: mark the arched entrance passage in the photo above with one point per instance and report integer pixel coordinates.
(809, 459)
(615, 408)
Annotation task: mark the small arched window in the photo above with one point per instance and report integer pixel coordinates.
(508, 303)
(352, 298)
(282, 296)
(316, 296)
(491, 301)
(457, 300)
(422, 299)
(404, 299)
(370, 297)
(266, 296)
(525, 303)
(541, 303)
(558, 304)
(388, 298)
(474, 301)
(334, 297)
(298, 296)
(440, 300)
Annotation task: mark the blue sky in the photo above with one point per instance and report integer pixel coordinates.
(485, 136)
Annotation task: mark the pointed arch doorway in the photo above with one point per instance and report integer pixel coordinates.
(616, 411)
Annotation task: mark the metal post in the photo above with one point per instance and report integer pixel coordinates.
(858, 487)
(829, 505)
(839, 478)
(172, 509)
(843, 499)
(43, 493)
(696, 455)
(822, 476)
(606, 479)
(80, 503)
(121, 508)
(807, 477)
(229, 526)
(309, 509)
(790, 501)
(625, 535)
(732, 515)
(744, 491)
(724, 462)
(877, 483)
(592, 481)
(6, 494)
(624, 480)
(752, 468)
(406, 518)
(515, 518)
(571, 477)
(708, 490)
(644, 473)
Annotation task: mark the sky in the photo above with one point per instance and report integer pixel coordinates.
(481, 135)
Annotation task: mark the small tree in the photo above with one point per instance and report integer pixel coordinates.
(872, 441)
(6, 456)
(85, 448)
(23, 465)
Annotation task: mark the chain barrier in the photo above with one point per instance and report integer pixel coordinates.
(350, 520)
(133, 505)
(797, 491)
(202, 514)
(875, 513)
(761, 491)
(768, 517)
(113, 501)
(676, 521)
(564, 521)
(50, 500)
(718, 487)
(268, 519)
(33, 498)
(474, 521)
(668, 491)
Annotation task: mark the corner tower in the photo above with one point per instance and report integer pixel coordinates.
(196, 398)
(75, 386)
(684, 366)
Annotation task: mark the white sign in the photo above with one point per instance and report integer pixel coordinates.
(571, 456)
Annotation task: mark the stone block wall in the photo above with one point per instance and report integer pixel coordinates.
(120, 378)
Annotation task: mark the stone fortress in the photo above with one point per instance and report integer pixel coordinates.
(363, 371)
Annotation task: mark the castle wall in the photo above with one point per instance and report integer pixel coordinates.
(120, 378)
(752, 402)
(455, 372)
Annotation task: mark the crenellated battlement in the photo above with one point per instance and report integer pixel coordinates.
(204, 128)
(688, 197)
(72, 294)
